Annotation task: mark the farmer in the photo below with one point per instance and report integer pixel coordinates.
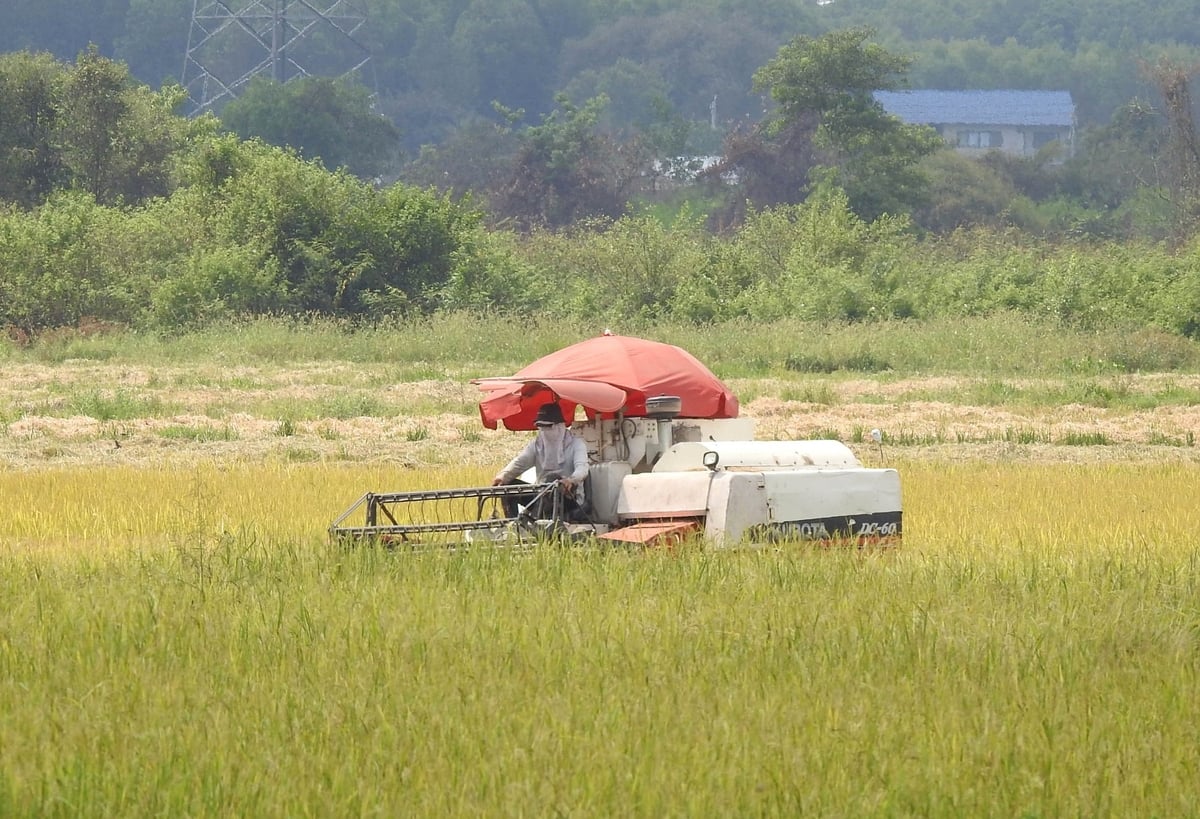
(556, 455)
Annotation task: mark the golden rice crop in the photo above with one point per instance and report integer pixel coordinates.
(184, 641)
(952, 508)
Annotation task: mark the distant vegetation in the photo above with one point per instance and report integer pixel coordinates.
(437, 64)
(118, 210)
(668, 69)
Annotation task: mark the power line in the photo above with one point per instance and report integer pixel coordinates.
(231, 43)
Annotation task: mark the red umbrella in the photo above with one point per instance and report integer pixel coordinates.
(604, 375)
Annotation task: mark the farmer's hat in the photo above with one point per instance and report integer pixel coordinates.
(549, 414)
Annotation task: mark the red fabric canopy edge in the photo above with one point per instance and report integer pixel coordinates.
(515, 401)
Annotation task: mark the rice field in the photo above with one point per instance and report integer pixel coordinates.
(182, 640)
(179, 637)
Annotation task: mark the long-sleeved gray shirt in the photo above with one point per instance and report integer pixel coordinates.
(573, 464)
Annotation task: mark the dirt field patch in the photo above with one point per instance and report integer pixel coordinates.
(87, 413)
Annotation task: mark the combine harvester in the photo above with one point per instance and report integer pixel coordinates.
(669, 459)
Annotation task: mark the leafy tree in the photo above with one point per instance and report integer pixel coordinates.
(879, 168)
(477, 157)
(87, 126)
(95, 107)
(490, 276)
(963, 193)
(826, 117)
(425, 88)
(646, 110)
(770, 168)
(1183, 141)
(834, 76)
(30, 94)
(1033, 22)
(566, 169)
(1037, 176)
(636, 93)
(399, 249)
(563, 19)
(439, 64)
(153, 39)
(506, 44)
(151, 137)
(666, 131)
(51, 270)
(1120, 168)
(333, 244)
(696, 54)
(773, 15)
(324, 119)
(62, 27)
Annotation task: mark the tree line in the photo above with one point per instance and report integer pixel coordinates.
(474, 95)
(118, 209)
(438, 64)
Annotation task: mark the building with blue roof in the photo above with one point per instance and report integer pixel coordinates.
(1020, 123)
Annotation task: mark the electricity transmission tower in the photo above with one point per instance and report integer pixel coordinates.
(230, 42)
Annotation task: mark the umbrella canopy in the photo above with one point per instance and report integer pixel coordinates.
(604, 375)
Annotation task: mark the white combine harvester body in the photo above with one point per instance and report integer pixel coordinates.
(652, 476)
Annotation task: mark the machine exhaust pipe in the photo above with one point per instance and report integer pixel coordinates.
(663, 409)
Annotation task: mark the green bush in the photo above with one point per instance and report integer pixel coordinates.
(55, 272)
(251, 230)
(258, 232)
